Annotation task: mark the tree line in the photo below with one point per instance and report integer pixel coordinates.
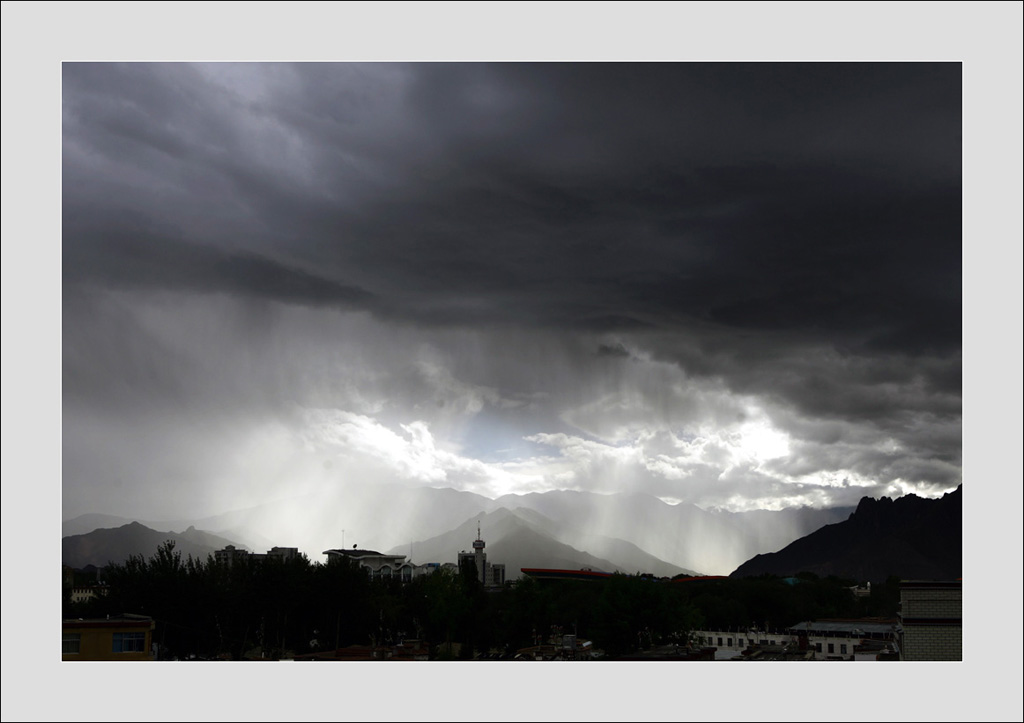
(273, 608)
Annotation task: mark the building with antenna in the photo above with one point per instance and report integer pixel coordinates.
(490, 575)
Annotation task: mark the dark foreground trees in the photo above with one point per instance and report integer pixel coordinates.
(271, 608)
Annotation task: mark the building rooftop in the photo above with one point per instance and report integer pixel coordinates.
(856, 627)
(123, 620)
(765, 653)
(691, 578)
(358, 553)
(555, 574)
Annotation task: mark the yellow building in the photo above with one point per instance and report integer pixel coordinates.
(124, 637)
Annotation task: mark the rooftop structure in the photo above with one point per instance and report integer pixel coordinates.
(586, 573)
(863, 628)
(764, 653)
(540, 573)
(406, 650)
(847, 638)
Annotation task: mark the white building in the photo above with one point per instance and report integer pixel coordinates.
(823, 639)
(378, 565)
(87, 592)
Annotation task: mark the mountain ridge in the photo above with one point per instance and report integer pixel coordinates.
(526, 538)
(622, 527)
(116, 544)
(910, 537)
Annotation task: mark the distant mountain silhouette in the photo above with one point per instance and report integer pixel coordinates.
(682, 534)
(525, 538)
(771, 530)
(910, 537)
(375, 516)
(88, 522)
(94, 521)
(103, 546)
(636, 531)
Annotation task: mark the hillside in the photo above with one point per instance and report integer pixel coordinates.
(910, 537)
(523, 538)
(103, 546)
(635, 531)
(683, 534)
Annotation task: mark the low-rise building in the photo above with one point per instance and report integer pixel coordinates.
(284, 554)
(122, 637)
(833, 639)
(84, 593)
(377, 564)
(839, 638)
(230, 555)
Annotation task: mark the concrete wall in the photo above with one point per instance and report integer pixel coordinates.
(932, 642)
(931, 617)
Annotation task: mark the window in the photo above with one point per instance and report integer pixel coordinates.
(719, 642)
(129, 642)
(730, 641)
(817, 647)
(842, 648)
(72, 643)
(831, 647)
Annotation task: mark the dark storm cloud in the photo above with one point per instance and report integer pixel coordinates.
(815, 205)
(820, 198)
(786, 231)
(613, 350)
(152, 261)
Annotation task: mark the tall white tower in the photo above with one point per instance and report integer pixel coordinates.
(479, 555)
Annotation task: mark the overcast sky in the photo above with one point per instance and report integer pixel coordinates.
(736, 285)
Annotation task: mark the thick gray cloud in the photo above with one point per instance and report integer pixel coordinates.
(817, 198)
(634, 255)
